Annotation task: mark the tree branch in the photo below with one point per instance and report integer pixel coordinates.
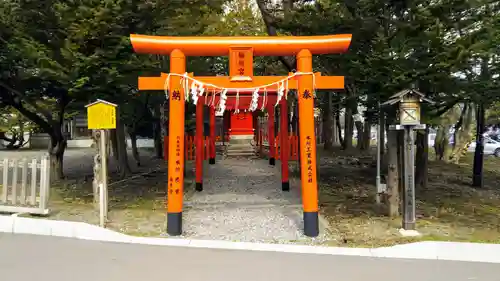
(271, 31)
(20, 95)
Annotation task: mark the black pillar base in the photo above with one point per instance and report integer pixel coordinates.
(272, 161)
(285, 186)
(174, 224)
(311, 224)
(199, 186)
(211, 161)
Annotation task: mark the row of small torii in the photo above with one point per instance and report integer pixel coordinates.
(243, 86)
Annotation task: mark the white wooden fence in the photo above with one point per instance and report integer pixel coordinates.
(25, 186)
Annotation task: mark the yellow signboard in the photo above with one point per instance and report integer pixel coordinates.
(101, 115)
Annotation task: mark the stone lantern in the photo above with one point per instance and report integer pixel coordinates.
(409, 120)
(408, 108)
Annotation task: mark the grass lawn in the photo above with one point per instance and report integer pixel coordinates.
(449, 209)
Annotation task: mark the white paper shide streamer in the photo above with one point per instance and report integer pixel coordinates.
(264, 100)
(255, 100)
(237, 104)
(196, 91)
(281, 92)
(198, 88)
(222, 102)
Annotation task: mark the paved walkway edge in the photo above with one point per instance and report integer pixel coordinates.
(429, 250)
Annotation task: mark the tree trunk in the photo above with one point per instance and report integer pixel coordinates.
(158, 142)
(335, 131)
(328, 127)
(359, 136)
(393, 174)
(135, 151)
(441, 143)
(477, 173)
(422, 159)
(339, 128)
(57, 146)
(114, 143)
(381, 136)
(367, 134)
(348, 128)
(21, 134)
(462, 135)
(122, 164)
(56, 152)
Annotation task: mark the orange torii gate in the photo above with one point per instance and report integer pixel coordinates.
(241, 81)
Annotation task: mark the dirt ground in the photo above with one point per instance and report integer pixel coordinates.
(449, 209)
(137, 203)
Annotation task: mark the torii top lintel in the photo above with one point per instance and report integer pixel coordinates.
(261, 45)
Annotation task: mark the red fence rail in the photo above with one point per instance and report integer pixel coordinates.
(260, 139)
(189, 148)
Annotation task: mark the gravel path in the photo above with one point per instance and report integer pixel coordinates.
(242, 201)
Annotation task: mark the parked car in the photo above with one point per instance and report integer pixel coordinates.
(495, 137)
(491, 146)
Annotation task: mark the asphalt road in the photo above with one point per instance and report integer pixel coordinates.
(40, 258)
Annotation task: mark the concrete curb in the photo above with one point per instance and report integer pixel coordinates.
(470, 252)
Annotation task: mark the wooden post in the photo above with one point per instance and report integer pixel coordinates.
(97, 169)
(199, 145)
(285, 145)
(409, 217)
(212, 135)
(271, 138)
(307, 145)
(103, 187)
(176, 145)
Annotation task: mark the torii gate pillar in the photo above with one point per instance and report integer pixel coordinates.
(176, 145)
(307, 146)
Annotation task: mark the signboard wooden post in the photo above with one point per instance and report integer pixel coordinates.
(101, 115)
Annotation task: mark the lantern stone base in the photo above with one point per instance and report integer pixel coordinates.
(409, 233)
